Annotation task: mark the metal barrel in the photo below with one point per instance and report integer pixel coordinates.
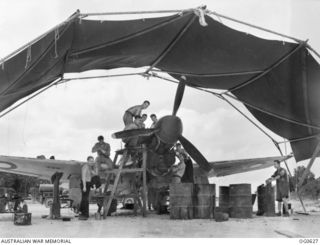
(240, 201)
(224, 199)
(204, 200)
(269, 201)
(261, 192)
(181, 200)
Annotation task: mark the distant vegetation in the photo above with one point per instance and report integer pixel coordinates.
(310, 187)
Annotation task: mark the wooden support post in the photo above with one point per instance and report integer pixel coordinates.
(144, 180)
(313, 158)
(115, 159)
(106, 207)
(55, 208)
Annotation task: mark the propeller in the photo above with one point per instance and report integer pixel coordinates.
(178, 97)
(195, 154)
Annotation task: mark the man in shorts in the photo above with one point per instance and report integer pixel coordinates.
(281, 177)
(133, 111)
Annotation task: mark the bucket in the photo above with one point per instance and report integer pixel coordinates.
(240, 201)
(269, 201)
(181, 200)
(22, 218)
(204, 200)
(224, 199)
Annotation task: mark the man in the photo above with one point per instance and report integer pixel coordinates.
(154, 120)
(280, 175)
(103, 159)
(85, 185)
(133, 111)
(143, 119)
(132, 141)
(188, 173)
(178, 170)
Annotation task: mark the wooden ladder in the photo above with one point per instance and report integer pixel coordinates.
(108, 200)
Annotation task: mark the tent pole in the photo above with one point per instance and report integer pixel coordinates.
(137, 12)
(273, 114)
(256, 27)
(172, 43)
(277, 63)
(307, 170)
(241, 73)
(103, 76)
(299, 139)
(244, 115)
(313, 50)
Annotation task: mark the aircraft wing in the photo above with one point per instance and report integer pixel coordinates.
(42, 168)
(224, 168)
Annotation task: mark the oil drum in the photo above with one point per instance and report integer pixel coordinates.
(240, 201)
(181, 200)
(204, 200)
(269, 201)
(224, 199)
(261, 192)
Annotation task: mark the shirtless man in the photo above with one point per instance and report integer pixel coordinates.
(154, 120)
(86, 174)
(132, 141)
(143, 119)
(133, 111)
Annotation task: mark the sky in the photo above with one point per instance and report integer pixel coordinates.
(65, 120)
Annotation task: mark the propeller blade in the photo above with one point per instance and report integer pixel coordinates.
(179, 95)
(195, 154)
(133, 133)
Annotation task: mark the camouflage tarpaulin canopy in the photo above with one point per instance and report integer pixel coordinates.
(277, 81)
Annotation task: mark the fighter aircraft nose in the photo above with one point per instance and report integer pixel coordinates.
(170, 129)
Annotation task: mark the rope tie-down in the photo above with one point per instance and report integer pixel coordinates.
(201, 12)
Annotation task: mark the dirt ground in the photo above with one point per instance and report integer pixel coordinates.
(158, 226)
